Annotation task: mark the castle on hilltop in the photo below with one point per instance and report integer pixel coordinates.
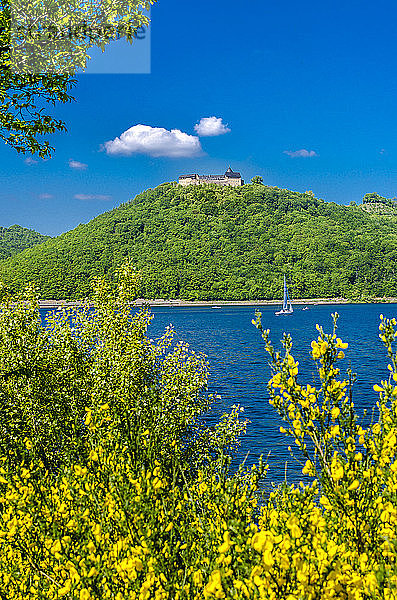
(229, 178)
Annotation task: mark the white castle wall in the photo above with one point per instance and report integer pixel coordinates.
(197, 180)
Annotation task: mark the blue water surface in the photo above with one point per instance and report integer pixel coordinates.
(240, 371)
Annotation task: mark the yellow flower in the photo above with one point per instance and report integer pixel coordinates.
(84, 594)
(308, 468)
(315, 350)
(263, 540)
(340, 344)
(65, 589)
(353, 486)
(198, 578)
(324, 347)
(214, 586)
(80, 471)
(338, 473)
(223, 548)
(56, 547)
(325, 502)
(268, 558)
(93, 455)
(293, 526)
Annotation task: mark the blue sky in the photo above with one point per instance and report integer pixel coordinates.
(284, 77)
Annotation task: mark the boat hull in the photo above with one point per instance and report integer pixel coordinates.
(287, 311)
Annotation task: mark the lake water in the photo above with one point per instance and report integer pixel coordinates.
(239, 366)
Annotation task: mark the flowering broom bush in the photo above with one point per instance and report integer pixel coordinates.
(111, 487)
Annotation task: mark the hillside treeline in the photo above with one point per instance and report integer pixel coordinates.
(16, 238)
(215, 243)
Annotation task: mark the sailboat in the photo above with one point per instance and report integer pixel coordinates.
(287, 304)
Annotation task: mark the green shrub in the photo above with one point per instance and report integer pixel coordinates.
(91, 356)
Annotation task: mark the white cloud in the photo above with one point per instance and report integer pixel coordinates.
(301, 153)
(45, 196)
(30, 161)
(92, 197)
(211, 126)
(154, 141)
(76, 164)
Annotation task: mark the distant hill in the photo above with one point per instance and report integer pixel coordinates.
(210, 242)
(16, 238)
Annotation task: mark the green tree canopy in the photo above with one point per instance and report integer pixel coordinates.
(211, 243)
(16, 238)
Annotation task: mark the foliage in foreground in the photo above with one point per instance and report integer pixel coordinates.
(43, 45)
(116, 500)
(209, 242)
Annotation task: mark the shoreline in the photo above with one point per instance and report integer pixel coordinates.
(210, 303)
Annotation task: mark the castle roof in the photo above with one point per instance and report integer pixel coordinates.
(232, 174)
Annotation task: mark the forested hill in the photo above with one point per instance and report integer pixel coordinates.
(210, 242)
(16, 238)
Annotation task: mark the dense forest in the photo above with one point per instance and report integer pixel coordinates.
(16, 238)
(210, 242)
